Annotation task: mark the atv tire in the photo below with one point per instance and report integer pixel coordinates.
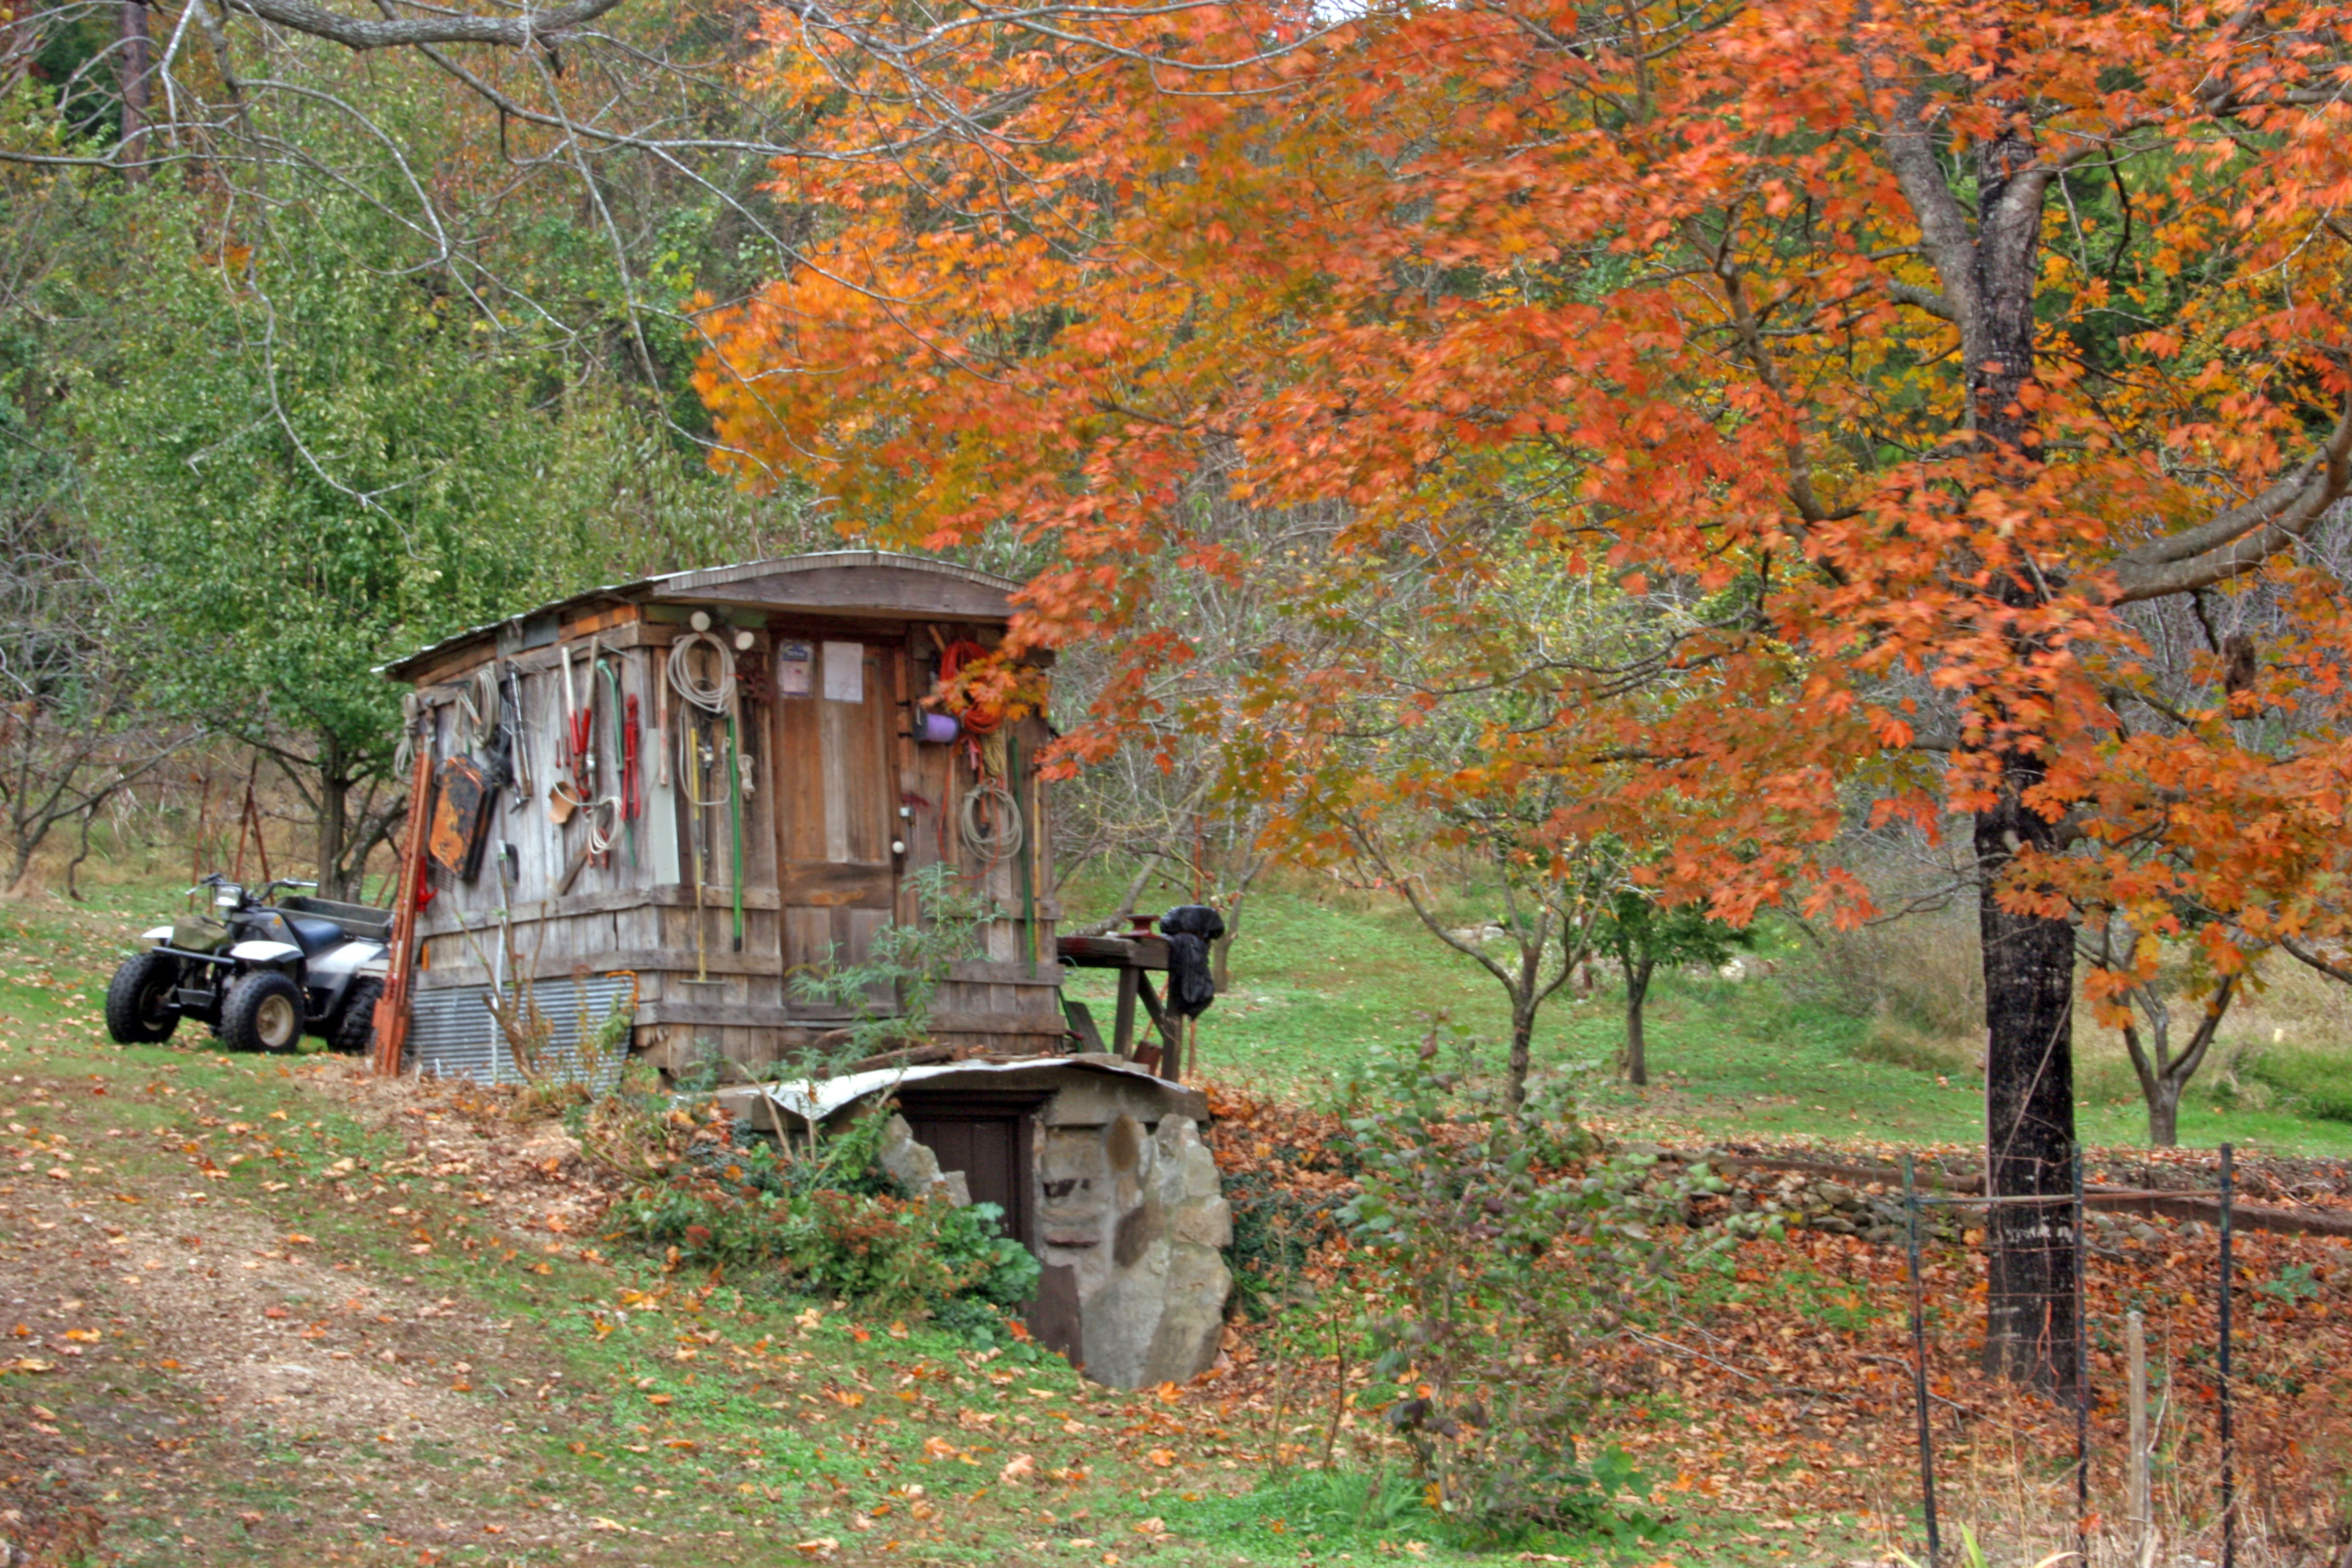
(138, 1010)
(264, 1013)
(354, 1031)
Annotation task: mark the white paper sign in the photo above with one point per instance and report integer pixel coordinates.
(845, 672)
(792, 662)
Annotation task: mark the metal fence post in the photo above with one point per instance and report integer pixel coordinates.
(2229, 1478)
(2082, 1380)
(2143, 1517)
(1920, 1367)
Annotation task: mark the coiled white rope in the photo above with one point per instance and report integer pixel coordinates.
(481, 709)
(604, 824)
(714, 694)
(999, 839)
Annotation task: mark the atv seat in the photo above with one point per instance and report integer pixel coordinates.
(314, 935)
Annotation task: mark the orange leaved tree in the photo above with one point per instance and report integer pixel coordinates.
(1907, 364)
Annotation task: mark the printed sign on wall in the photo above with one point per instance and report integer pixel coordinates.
(845, 671)
(792, 662)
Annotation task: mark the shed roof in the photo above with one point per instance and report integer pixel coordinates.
(877, 583)
(819, 1099)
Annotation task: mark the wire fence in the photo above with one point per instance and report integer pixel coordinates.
(2063, 1355)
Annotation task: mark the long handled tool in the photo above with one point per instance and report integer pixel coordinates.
(738, 786)
(392, 1007)
(690, 765)
(567, 790)
(708, 699)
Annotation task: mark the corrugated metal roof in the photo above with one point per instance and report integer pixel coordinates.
(814, 1099)
(704, 579)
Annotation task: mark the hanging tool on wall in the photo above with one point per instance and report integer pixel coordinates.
(612, 818)
(692, 762)
(518, 738)
(569, 790)
(710, 697)
(739, 783)
(633, 796)
(481, 713)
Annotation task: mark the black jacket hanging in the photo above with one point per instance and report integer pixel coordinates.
(1190, 929)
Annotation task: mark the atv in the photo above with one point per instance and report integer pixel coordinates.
(261, 973)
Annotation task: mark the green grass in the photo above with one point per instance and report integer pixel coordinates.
(1320, 977)
(715, 1457)
(702, 1421)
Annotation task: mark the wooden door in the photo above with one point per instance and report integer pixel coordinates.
(990, 1147)
(836, 805)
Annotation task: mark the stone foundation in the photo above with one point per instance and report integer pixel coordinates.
(1140, 1222)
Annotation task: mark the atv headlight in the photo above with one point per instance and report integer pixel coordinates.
(226, 897)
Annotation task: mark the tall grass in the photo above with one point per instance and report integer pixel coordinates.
(1916, 980)
(2286, 1045)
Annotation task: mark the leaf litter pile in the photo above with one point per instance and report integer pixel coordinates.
(1788, 1400)
(265, 1310)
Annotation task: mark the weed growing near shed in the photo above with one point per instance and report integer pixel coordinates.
(1498, 1252)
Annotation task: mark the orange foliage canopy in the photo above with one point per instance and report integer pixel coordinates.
(1690, 291)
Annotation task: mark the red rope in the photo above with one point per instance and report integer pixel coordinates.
(977, 719)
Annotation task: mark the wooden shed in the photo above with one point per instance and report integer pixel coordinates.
(686, 789)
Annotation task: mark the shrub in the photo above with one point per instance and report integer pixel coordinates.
(827, 1220)
(890, 994)
(2312, 1081)
(1503, 1253)
(1275, 1231)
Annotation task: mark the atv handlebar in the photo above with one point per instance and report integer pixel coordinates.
(216, 882)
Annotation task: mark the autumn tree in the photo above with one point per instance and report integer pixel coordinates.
(1923, 343)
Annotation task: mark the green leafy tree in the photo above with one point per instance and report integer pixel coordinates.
(304, 465)
(1642, 934)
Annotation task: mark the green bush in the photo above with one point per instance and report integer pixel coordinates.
(827, 1220)
(1275, 1231)
(1502, 1251)
(2311, 1081)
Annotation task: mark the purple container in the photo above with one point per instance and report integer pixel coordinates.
(935, 729)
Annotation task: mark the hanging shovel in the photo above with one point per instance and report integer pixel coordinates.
(562, 793)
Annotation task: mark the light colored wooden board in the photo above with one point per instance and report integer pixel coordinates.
(678, 896)
(836, 732)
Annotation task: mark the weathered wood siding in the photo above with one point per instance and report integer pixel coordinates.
(843, 804)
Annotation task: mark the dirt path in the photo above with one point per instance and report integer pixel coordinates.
(217, 1387)
(262, 1312)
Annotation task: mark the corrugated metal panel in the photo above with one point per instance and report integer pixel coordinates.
(453, 1035)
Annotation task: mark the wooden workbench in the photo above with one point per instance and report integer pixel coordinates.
(1135, 957)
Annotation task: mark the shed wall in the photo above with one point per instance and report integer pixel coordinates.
(844, 804)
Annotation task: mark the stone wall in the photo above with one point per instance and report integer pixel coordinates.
(1138, 1221)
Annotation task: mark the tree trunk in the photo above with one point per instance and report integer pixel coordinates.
(334, 797)
(1637, 992)
(133, 77)
(2029, 969)
(1523, 1032)
(2164, 1114)
(2028, 960)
